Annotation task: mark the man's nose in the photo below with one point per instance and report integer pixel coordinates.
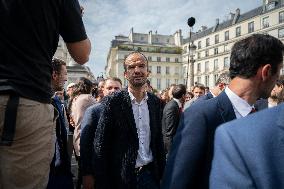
(137, 68)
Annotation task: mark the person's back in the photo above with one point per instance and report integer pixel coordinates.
(254, 69)
(29, 36)
(248, 153)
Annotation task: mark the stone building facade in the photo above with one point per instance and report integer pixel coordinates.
(168, 54)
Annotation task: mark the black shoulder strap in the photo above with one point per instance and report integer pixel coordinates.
(9, 126)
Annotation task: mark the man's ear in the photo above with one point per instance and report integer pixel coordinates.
(148, 73)
(265, 72)
(54, 75)
(221, 86)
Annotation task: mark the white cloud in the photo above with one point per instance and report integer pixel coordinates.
(105, 19)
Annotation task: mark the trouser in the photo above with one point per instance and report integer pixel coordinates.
(60, 182)
(146, 180)
(70, 145)
(79, 177)
(25, 164)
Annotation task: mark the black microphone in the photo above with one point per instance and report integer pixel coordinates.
(191, 21)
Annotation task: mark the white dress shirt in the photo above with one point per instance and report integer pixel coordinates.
(241, 107)
(212, 94)
(179, 103)
(142, 121)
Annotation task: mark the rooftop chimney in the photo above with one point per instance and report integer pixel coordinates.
(203, 28)
(232, 15)
(236, 16)
(131, 35)
(216, 25)
(150, 37)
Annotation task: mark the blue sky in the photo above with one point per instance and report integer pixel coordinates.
(105, 19)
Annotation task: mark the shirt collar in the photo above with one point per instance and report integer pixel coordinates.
(238, 103)
(133, 99)
(179, 103)
(212, 94)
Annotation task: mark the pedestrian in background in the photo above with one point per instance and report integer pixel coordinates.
(81, 100)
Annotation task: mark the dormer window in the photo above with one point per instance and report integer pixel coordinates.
(271, 5)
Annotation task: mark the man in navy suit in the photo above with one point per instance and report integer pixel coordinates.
(254, 69)
(89, 126)
(249, 152)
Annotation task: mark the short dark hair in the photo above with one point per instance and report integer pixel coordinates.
(223, 78)
(249, 54)
(190, 94)
(200, 86)
(83, 86)
(179, 91)
(114, 79)
(56, 64)
(135, 52)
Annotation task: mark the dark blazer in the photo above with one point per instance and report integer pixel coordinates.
(249, 152)
(261, 104)
(60, 168)
(116, 142)
(189, 161)
(89, 125)
(206, 96)
(170, 121)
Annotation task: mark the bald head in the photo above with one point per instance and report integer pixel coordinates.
(134, 56)
(136, 69)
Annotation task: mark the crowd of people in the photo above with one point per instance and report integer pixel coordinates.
(228, 136)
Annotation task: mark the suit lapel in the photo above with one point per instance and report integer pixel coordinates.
(225, 107)
(209, 95)
(129, 114)
(151, 108)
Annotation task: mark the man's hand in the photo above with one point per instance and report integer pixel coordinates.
(88, 182)
(82, 10)
(72, 123)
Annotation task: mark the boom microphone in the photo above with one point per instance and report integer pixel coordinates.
(191, 21)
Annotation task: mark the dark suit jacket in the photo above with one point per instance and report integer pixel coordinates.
(170, 121)
(261, 104)
(117, 143)
(89, 125)
(189, 161)
(249, 152)
(206, 96)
